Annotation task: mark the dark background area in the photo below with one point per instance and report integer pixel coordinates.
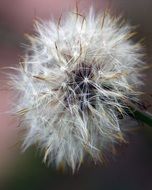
(131, 168)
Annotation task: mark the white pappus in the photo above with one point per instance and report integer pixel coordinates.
(74, 80)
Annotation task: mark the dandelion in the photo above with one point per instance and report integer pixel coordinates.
(73, 84)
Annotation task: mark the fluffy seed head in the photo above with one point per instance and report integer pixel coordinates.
(73, 82)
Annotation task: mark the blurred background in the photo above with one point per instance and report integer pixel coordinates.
(131, 168)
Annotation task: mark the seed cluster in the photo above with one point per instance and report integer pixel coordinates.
(72, 84)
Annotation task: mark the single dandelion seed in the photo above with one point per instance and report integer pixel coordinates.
(73, 83)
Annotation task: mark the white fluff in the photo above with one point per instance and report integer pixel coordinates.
(72, 83)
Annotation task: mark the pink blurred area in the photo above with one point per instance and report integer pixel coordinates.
(19, 14)
(8, 123)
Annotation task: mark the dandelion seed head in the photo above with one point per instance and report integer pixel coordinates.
(72, 85)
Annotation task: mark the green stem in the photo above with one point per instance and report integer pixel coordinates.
(144, 117)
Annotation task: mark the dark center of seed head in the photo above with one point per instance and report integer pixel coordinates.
(81, 91)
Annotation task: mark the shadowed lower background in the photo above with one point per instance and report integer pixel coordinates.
(131, 168)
